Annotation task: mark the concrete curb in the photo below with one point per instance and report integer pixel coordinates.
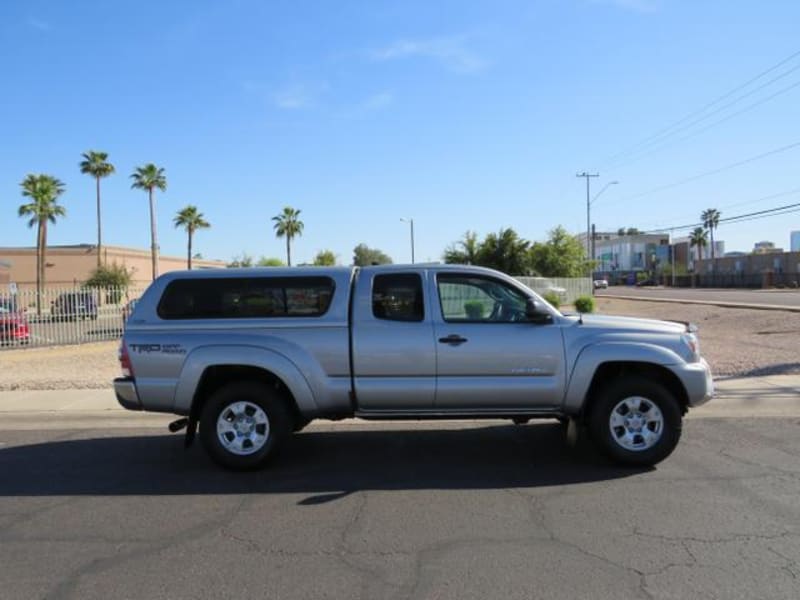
(721, 303)
(761, 396)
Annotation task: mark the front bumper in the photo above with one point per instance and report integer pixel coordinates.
(697, 380)
(125, 389)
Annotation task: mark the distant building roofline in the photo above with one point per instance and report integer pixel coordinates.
(106, 248)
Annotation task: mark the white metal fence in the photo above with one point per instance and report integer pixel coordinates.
(573, 287)
(71, 315)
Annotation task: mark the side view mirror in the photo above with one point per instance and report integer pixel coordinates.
(533, 309)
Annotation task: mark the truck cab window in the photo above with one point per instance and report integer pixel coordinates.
(398, 297)
(477, 299)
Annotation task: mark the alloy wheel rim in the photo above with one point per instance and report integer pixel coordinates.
(243, 428)
(636, 423)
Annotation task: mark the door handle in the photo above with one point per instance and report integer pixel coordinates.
(453, 340)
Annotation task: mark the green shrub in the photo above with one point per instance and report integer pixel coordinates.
(113, 278)
(553, 299)
(474, 309)
(584, 304)
(642, 276)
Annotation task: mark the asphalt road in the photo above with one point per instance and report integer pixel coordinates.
(432, 510)
(768, 297)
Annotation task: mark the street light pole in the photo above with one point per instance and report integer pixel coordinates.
(596, 196)
(411, 222)
(588, 176)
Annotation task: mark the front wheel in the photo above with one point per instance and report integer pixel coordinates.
(242, 424)
(636, 421)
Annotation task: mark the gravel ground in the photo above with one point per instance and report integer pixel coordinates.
(59, 367)
(737, 342)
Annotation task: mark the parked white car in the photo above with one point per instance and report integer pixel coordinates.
(544, 286)
(601, 284)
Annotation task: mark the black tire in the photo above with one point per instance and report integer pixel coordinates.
(653, 394)
(300, 424)
(273, 405)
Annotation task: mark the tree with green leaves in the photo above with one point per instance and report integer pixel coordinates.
(241, 261)
(113, 275)
(114, 279)
(710, 218)
(562, 255)
(43, 208)
(191, 220)
(363, 256)
(288, 225)
(464, 251)
(505, 251)
(270, 261)
(96, 164)
(150, 177)
(325, 258)
(699, 238)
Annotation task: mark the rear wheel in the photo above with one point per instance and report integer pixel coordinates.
(636, 421)
(242, 424)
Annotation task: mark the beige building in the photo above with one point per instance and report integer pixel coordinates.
(67, 266)
(5, 273)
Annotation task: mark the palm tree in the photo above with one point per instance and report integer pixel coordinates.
(43, 190)
(710, 218)
(150, 177)
(96, 164)
(506, 252)
(699, 238)
(191, 220)
(465, 251)
(288, 225)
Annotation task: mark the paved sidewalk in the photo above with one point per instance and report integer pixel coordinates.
(71, 409)
(771, 396)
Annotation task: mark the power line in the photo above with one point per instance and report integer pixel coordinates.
(769, 212)
(762, 199)
(700, 111)
(728, 167)
(746, 202)
(777, 214)
(747, 108)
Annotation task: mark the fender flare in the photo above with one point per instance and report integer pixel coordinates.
(204, 357)
(593, 356)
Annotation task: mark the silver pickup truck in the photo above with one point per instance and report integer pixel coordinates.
(251, 355)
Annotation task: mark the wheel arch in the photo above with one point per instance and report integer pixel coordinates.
(208, 369)
(598, 363)
(613, 370)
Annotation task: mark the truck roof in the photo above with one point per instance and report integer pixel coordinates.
(313, 271)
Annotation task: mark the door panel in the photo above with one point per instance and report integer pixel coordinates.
(394, 354)
(488, 354)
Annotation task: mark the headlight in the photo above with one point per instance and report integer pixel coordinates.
(691, 342)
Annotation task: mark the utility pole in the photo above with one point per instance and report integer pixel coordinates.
(410, 222)
(588, 176)
(672, 258)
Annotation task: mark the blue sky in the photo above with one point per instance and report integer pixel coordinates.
(461, 115)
